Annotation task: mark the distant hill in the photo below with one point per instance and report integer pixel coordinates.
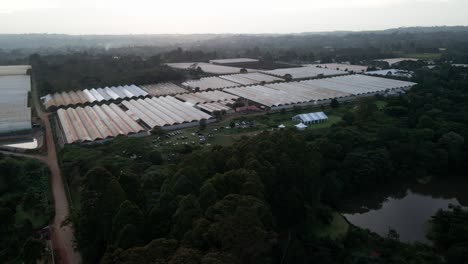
(62, 41)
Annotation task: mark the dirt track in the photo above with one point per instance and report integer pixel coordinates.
(62, 237)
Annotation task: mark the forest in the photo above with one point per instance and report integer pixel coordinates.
(257, 200)
(25, 208)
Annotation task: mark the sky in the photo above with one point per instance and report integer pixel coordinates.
(217, 16)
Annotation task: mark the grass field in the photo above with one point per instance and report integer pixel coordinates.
(221, 133)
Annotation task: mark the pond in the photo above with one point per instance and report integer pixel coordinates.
(406, 209)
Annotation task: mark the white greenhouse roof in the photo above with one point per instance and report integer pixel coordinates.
(160, 89)
(90, 123)
(14, 70)
(210, 83)
(206, 97)
(15, 115)
(89, 96)
(235, 60)
(251, 78)
(305, 72)
(313, 91)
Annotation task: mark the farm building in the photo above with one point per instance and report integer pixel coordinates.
(343, 67)
(310, 118)
(208, 67)
(92, 123)
(211, 101)
(251, 78)
(161, 89)
(91, 96)
(209, 83)
(305, 72)
(318, 91)
(15, 85)
(211, 108)
(207, 97)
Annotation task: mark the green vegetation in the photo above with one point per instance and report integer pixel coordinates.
(271, 196)
(337, 228)
(449, 232)
(58, 73)
(25, 207)
(424, 56)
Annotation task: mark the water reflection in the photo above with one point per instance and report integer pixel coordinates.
(406, 209)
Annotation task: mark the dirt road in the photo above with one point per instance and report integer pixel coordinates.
(62, 237)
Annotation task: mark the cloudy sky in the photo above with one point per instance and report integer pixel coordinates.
(218, 16)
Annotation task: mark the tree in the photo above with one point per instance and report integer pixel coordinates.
(32, 250)
(128, 214)
(334, 103)
(129, 236)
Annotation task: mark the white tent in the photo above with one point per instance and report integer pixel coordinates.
(281, 126)
(311, 118)
(301, 126)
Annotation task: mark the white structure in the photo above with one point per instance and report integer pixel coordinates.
(91, 96)
(15, 84)
(396, 60)
(209, 83)
(161, 89)
(100, 122)
(300, 126)
(233, 61)
(311, 118)
(318, 91)
(305, 72)
(392, 72)
(251, 78)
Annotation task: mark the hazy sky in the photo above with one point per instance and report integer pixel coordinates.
(217, 16)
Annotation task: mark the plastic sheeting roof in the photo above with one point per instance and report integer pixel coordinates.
(161, 89)
(304, 72)
(205, 97)
(14, 70)
(15, 115)
(89, 96)
(279, 94)
(251, 78)
(235, 60)
(210, 83)
(90, 123)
